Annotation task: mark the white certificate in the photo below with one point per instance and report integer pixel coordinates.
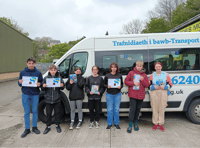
(114, 83)
(137, 78)
(29, 81)
(53, 82)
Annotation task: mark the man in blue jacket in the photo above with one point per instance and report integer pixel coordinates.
(30, 94)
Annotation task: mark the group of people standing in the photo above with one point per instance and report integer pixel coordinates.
(159, 84)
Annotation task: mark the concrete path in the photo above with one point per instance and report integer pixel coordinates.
(179, 133)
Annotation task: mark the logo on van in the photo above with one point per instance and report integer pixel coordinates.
(132, 42)
(156, 42)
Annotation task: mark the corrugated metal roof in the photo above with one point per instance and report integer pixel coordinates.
(15, 30)
(186, 23)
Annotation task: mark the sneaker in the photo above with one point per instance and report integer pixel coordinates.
(136, 127)
(47, 129)
(97, 124)
(25, 133)
(58, 128)
(129, 129)
(108, 127)
(161, 128)
(117, 127)
(71, 126)
(35, 130)
(79, 124)
(91, 125)
(155, 127)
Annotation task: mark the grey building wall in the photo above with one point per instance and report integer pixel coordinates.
(15, 48)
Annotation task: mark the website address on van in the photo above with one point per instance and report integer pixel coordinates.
(171, 92)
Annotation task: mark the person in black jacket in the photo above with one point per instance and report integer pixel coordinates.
(76, 96)
(114, 83)
(52, 98)
(94, 88)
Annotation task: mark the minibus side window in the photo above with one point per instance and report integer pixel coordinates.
(107, 60)
(126, 62)
(176, 59)
(64, 67)
(79, 59)
(124, 58)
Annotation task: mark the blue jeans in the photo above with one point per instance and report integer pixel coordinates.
(26, 100)
(113, 104)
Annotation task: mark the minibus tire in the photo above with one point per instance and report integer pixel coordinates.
(193, 112)
(42, 116)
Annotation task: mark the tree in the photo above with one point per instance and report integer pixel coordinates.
(170, 14)
(164, 8)
(185, 11)
(41, 41)
(11, 22)
(35, 50)
(133, 27)
(44, 45)
(57, 51)
(157, 25)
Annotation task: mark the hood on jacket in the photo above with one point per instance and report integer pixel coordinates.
(56, 75)
(141, 72)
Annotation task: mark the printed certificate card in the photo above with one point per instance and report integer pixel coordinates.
(53, 82)
(136, 79)
(159, 82)
(29, 81)
(95, 89)
(73, 77)
(114, 83)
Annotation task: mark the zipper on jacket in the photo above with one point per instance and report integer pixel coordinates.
(52, 93)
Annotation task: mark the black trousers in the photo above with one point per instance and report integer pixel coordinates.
(94, 105)
(49, 109)
(135, 107)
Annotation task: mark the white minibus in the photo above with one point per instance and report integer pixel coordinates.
(179, 54)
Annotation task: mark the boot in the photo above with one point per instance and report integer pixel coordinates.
(35, 130)
(26, 132)
(58, 128)
(46, 130)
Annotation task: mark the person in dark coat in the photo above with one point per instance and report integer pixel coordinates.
(52, 98)
(94, 88)
(136, 92)
(76, 96)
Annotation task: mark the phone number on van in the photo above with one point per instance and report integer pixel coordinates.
(186, 80)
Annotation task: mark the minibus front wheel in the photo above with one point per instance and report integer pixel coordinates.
(193, 112)
(42, 112)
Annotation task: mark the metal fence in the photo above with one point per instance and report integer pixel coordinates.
(43, 67)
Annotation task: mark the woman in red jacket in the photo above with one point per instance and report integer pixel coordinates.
(137, 81)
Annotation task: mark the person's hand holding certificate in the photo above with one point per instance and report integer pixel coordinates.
(29, 81)
(114, 83)
(136, 80)
(53, 82)
(95, 89)
(73, 77)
